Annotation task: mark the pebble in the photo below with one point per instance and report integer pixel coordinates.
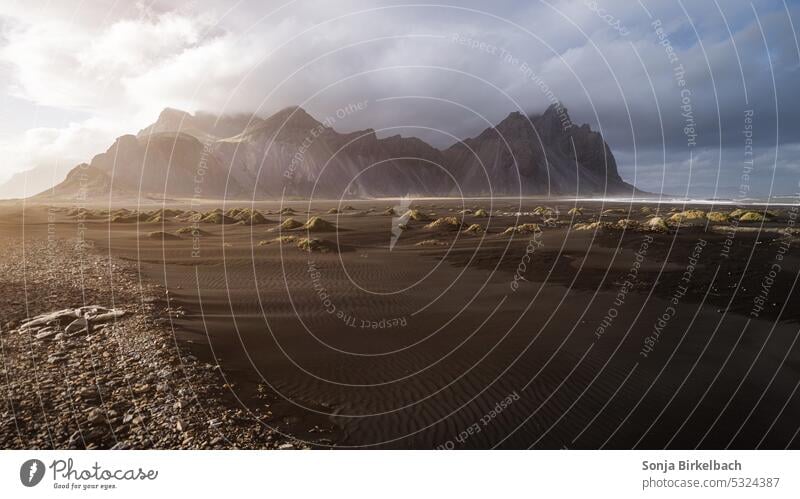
(95, 416)
(130, 354)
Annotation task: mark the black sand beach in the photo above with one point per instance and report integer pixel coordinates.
(563, 335)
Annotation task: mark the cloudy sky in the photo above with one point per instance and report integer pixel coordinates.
(669, 83)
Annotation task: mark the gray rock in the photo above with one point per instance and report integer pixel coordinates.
(47, 318)
(46, 333)
(77, 326)
(113, 314)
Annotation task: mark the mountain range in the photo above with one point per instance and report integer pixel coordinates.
(293, 154)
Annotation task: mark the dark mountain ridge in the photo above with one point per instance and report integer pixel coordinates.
(292, 154)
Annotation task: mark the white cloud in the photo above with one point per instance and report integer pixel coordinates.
(122, 63)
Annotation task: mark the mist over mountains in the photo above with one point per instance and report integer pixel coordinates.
(293, 154)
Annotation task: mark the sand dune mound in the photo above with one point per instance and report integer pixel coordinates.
(311, 245)
(166, 236)
(474, 229)
(317, 224)
(279, 239)
(451, 223)
(574, 212)
(390, 212)
(717, 217)
(156, 219)
(248, 216)
(333, 211)
(163, 214)
(752, 217)
(289, 224)
(627, 224)
(480, 212)
(216, 217)
(287, 211)
(542, 211)
(688, 217)
(129, 218)
(417, 216)
(255, 219)
(657, 224)
(194, 231)
(592, 226)
(87, 214)
(185, 216)
(522, 229)
(237, 212)
(431, 242)
(738, 212)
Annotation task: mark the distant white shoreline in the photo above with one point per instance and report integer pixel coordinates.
(152, 201)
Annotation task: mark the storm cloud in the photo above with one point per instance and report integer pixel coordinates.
(680, 90)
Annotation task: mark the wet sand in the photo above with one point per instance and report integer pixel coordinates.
(458, 340)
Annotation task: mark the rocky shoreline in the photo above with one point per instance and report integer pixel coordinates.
(90, 362)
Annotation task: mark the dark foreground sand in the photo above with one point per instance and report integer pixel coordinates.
(569, 333)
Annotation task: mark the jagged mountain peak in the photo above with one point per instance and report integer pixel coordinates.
(292, 116)
(204, 126)
(293, 153)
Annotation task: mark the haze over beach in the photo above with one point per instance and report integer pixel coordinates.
(358, 225)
